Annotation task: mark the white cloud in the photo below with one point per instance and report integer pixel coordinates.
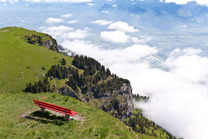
(58, 31)
(122, 26)
(77, 34)
(185, 1)
(72, 21)
(143, 39)
(134, 39)
(179, 96)
(66, 15)
(11, 1)
(105, 12)
(102, 22)
(114, 36)
(187, 51)
(114, 5)
(90, 4)
(191, 51)
(129, 55)
(54, 20)
(64, 32)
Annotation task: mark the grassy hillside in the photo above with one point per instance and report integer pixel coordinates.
(21, 63)
(95, 124)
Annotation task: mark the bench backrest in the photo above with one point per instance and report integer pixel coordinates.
(52, 107)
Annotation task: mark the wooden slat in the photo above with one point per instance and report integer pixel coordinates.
(54, 107)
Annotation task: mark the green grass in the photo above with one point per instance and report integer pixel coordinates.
(20, 62)
(59, 83)
(96, 124)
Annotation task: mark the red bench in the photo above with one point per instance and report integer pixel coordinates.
(44, 105)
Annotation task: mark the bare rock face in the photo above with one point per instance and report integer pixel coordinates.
(48, 43)
(67, 92)
(38, 40)
(119, 103)
(52, 45)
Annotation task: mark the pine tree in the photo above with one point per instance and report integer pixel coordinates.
(63, 61)
(30, 87)
(77, 75)
(108, 72)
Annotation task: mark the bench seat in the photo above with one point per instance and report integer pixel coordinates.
(44, 105)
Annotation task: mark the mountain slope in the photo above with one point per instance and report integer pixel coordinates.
(20, 119)
(21, 62)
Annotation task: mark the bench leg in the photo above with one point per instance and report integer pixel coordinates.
(67, 117)
(42, 109)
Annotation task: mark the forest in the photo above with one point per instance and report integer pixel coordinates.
(95, 78)
(142, 125)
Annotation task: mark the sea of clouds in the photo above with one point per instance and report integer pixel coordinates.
(177, 85)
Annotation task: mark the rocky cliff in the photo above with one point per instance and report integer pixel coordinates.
(43, 40)
(118, 103)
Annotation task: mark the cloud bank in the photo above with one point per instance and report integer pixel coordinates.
(179, 96)
(178, 92)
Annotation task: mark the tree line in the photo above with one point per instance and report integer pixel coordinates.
(40, 86)
(137, 97)
(142, 125)
(95, 78)
(34, 39)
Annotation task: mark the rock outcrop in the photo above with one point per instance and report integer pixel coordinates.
(43, 40)
(51, 44)
(118, 103)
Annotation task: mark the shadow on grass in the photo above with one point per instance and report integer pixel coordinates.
(46, 118)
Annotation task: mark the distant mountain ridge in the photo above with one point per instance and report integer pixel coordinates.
(190, 12)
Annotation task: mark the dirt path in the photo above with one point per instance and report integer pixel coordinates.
(4, 31)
